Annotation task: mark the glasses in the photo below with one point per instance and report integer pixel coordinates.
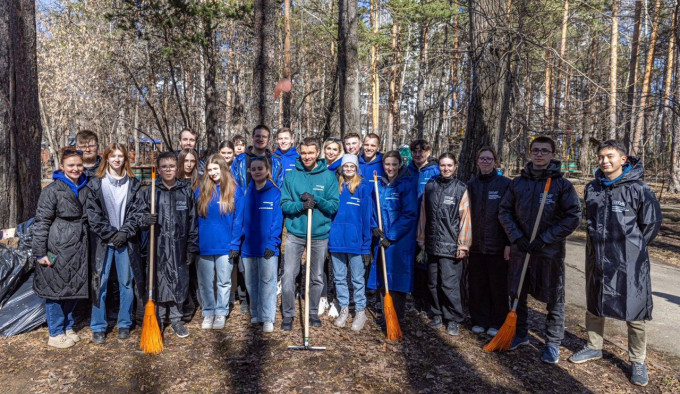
(68, 152)
(485, 159)
(87, 147)
(540, 152)
(333, 139)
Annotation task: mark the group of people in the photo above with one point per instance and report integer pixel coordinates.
(229, 212)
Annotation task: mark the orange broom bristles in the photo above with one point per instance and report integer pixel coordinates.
(505, 335)
(391, 319)
(152, 341)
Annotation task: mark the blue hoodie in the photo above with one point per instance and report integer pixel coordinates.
(218, 233)
(59, 175)
(333, 167)
(430, 170)
(366, 169)
(260, 219)
(351, 228)
(287, 159)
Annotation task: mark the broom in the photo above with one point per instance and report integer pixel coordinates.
(152, 341)
(391, 319)
(503, 339)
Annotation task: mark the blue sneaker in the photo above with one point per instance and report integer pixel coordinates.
(519, 341)
(585, 354)
(638, 374)
(551, 354)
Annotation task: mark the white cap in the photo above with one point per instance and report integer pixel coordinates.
(351, 159)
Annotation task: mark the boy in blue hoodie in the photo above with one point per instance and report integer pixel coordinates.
(371, 160)
(309, 186)
(286, 150)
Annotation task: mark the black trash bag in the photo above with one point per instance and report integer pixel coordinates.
(25, 234)
(15, 264)
(23, 312)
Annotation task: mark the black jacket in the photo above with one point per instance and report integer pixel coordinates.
(91, 172)
(101, 232)
(623, 218)
(60, 228)
(176, 235)
(485, 193)
(442, 222)
(561, 216)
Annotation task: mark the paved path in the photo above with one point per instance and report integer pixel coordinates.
(663, 333)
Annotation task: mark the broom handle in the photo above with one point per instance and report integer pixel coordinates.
(307, 271)
(533, 236)
(152, 231)
(380, 226)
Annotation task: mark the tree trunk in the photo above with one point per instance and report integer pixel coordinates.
(286, 96)
(422, 81)
(20, 129)
(487, 111)
(632, 74)
(645, 93)
(135, 135)
(668, 78)
(348, 67)
(394, 119)
(562, 65)
(265, 16)
(547, 102)
(375, 76)
(613, 60)
(210, 59)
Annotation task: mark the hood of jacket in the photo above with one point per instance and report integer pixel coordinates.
(632, 171)
(179, 183)
(292, 152)
(552, 171)
(376, 160)
(431, 161)
(82, 181)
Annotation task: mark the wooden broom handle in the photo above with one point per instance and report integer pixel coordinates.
(307, 272)
(152, 231)
(380, 226)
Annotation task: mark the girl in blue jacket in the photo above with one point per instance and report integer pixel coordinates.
(261, 221)
(217, 197)
(350, 240)
(398, 206)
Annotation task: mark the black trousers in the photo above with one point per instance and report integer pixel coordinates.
(444, 282)
(421, 290)
(554, 320)
(488, 286)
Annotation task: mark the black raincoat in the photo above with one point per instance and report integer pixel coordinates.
(60, 228)
(561, 216)
(176, 235)
(623, 218)
(101, 232)
(485, 193)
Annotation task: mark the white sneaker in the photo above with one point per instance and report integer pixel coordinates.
(278, 288)
(207, 322)
(268, 327)
(323, 304)
(492, 332)
(61, 341)
(478, 330)
(72, 334)
(333, 310)
(218, 323)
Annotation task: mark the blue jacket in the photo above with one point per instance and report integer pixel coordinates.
(424, 174)
(218, 233)
(240, 168)
(333, 167)
(260, 219)
(287, 159)
(398, 206)
(366, 169)
(351, 228)
(82, 181)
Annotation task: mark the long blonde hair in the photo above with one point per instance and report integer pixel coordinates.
(208, 188)
(352, 184)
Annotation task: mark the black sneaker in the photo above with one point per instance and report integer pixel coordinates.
(123, 333)
(638, 374)
(452, 328)
(287, 324)
(245, 308)
(314, 321)
(180, 330)
(436, 322)
(98, 337)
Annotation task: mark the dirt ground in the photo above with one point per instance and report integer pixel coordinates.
(240, 358)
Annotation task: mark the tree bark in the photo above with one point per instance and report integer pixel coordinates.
(286, 96)
(668, 78)
(548, 100)
(422, 81)
(210, 59)
(20, 128)
(613, 60)
(348, 67)
(561, 67)
(375, 76)
(265, 16)
(394, 119)
(632, 74)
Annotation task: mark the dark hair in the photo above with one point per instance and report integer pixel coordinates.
(447, 155)
(372, 136)
(238, 138)
(187, 129)
(226, 144)
(613, 144)
(284, 130)
(422, 144)
(487, 148)
(543, 140)
(166, 156)
(393, 153)
(352, 135)
(262, 127)
(87, 135)
(312, 141)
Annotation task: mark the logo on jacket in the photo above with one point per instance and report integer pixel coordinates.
(180, 205)
(267, 205)
(619, 206)
(494, 195)
(549, 200)
(354, 201)
(318, 188)
(448, 200)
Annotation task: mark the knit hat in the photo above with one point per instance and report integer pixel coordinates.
(351, 159)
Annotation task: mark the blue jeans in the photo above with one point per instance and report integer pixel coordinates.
(98, 320)
(357, 270)
(59, 315)
(215, 302)
(261, 284)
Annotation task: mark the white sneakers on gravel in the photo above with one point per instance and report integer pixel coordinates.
(73, 336)
(333, 310)
(359, 320)
(268, 327)
(218, 323)
(323, 304)
(342, 319)
(61, 341)
(207, 322)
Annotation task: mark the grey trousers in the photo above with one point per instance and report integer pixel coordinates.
(637, 336)
(295, 246)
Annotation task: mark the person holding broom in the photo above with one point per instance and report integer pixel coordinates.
(398, 208)
(561, 215)
(176, 240)
(445, 234)
(623, 217)
(60, 247)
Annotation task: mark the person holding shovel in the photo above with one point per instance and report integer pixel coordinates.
(176, 242)
(309, 187)
(623, 217)
(61, 249)
(561, 215)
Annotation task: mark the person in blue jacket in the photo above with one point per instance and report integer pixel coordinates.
(332, 151)
(261, 221)
(398, 206)
(240, 169)
(286, 151)
(371, 160)
(217, 197)
(350, 240)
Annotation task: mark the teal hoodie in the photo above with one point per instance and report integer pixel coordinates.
(323, 185)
